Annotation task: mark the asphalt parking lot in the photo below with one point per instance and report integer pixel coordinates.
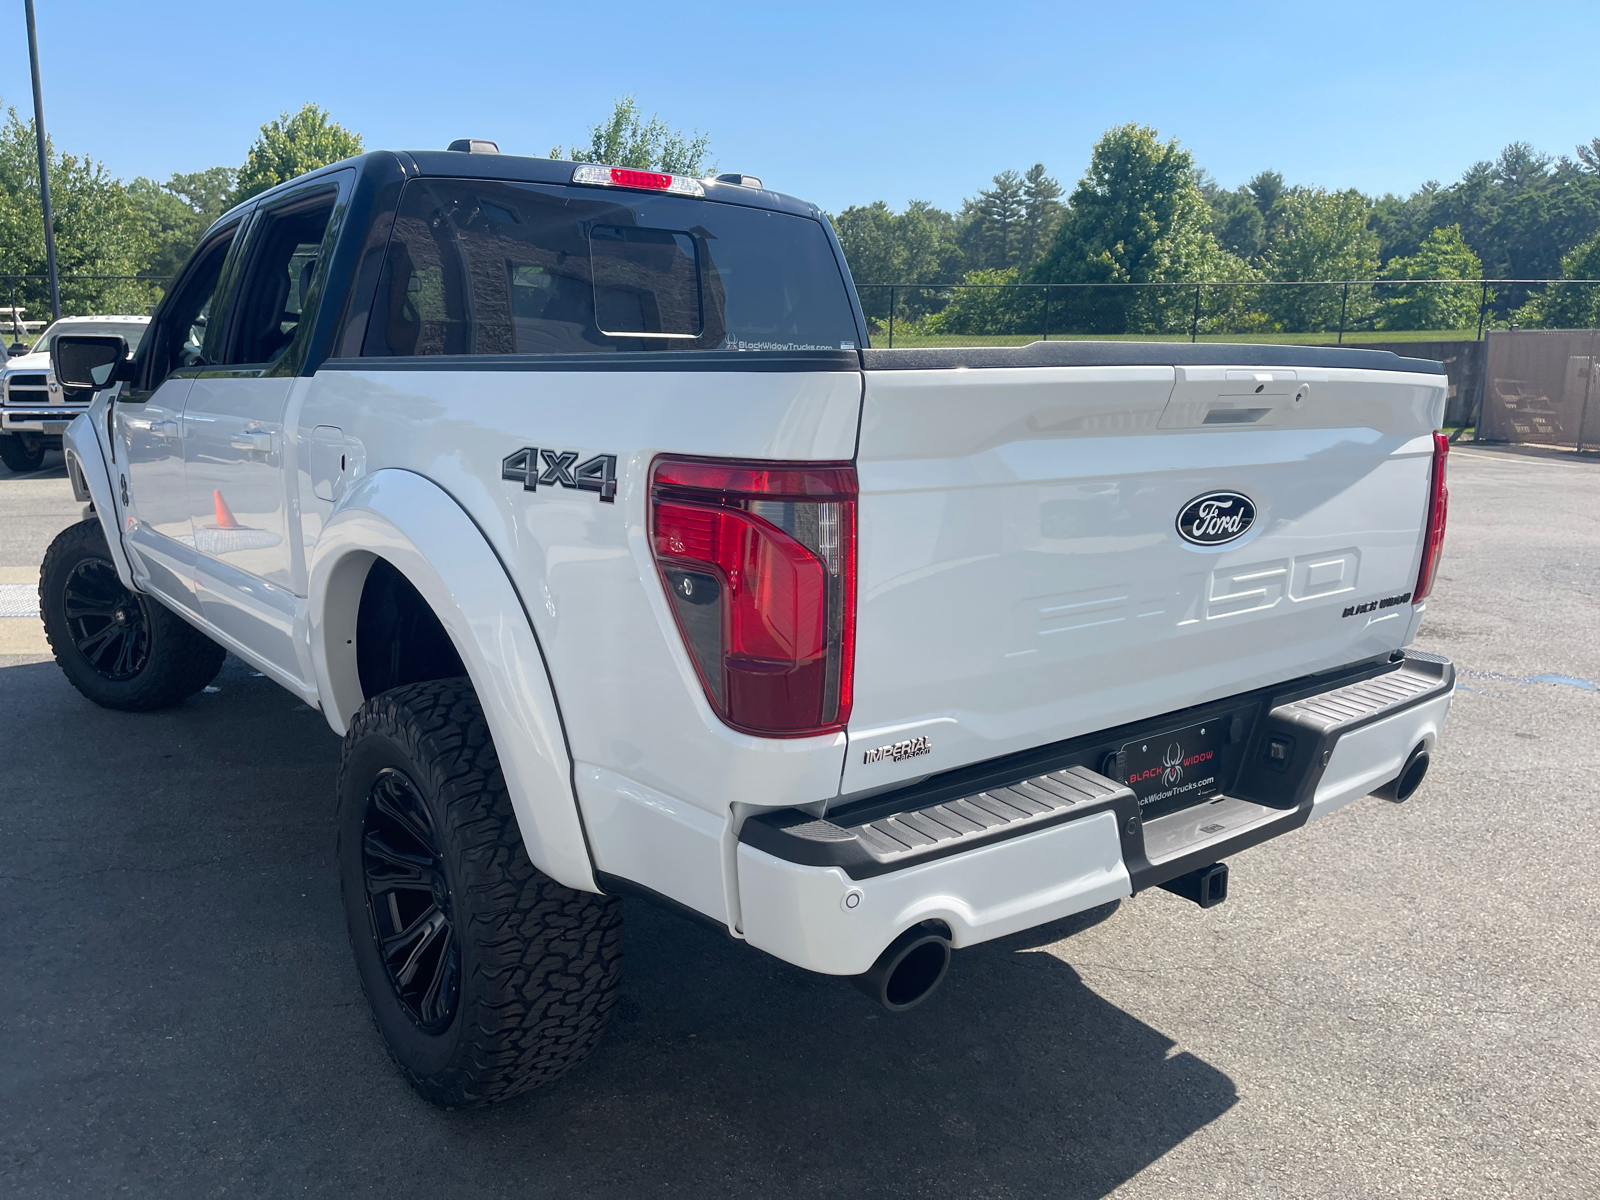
(1403, 1000)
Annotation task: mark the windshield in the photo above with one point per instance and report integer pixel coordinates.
(132, 330)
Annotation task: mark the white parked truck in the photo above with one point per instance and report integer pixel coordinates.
(35, 409)
(574, 499)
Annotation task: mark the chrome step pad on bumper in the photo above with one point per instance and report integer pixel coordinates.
(1270, 785)
(877, 845)
(1355, 703)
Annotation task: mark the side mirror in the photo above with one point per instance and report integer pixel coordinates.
(88, 360)
(15, 349)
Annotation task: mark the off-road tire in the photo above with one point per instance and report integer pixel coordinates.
(14, 452)
(176, 659)
(540, 965)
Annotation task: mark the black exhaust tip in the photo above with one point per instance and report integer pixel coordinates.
(1404, 785)
(1207, 887)
(908, 970)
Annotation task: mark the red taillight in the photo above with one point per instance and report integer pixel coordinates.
(759, 562)
(651, 181)
(1438, 510)
(623, 177)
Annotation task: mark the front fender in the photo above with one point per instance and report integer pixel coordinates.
(424, 534)
(87, 462)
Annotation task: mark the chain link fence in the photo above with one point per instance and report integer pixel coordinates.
(1528, 385)
(1253, 311)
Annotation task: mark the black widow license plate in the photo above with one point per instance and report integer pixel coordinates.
(1174, 770)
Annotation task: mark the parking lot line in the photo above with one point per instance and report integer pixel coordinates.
(1516, 460)
(23, 636)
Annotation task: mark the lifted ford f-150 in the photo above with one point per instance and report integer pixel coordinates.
(575, 500)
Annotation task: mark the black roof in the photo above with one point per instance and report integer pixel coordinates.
(512, 168)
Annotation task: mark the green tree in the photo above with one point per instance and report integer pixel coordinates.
(1137, 216)
(97, 230)
(987, 303)
(1442, 255)
(1265, 190)
(1401, 222)
(1522, 212)
(993, 224)
(914, 246)
(293, 145)
(1041, 214)
(627, 139)
(1236, 222)
(1568, 305)
(1520, 167)
(1242, 231)
(1325, 237)
(208, 192)
(176, 214)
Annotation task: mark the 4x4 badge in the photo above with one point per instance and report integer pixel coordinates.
(532, 466)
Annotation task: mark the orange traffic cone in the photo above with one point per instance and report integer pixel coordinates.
(224, 513)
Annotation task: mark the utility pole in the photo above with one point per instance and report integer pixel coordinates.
(44, 169)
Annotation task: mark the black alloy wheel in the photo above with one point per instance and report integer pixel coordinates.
(109, 625)
(122, 649)
(408, 899)
(485, 976)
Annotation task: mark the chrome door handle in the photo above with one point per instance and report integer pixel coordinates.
(260, 443)
(164, 429)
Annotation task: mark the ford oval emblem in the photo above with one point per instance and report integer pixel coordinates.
(1215, 518)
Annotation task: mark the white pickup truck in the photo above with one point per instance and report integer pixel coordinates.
(573, 498)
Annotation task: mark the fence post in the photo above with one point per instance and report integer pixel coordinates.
(891, 316)
(1483, 308)
(1344, 306)
(1194, 321)
(1046, 337)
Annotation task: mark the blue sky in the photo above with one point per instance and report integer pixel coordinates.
(838, 103)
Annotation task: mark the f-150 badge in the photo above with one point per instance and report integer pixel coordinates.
(532, 466)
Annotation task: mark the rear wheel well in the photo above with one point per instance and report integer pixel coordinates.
(399, 640)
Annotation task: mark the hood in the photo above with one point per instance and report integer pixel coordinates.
(39, 361)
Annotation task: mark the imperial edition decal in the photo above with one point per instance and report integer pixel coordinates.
(1215, 518)
(898, 751)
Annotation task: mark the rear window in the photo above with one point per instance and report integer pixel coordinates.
(509, 268)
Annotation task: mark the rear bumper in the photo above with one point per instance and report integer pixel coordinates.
(1004, 846)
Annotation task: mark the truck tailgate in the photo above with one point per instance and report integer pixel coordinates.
(1022, 576)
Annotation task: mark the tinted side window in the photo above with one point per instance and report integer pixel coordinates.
(499, 268)
(181, 333)
(283, 263)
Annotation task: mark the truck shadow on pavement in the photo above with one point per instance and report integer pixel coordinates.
(180, 1012)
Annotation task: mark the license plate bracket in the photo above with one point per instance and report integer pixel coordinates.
(1176, 769)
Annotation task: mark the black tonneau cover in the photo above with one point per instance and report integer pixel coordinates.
(1144, 354)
